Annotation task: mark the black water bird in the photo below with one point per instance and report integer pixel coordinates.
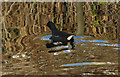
(60, 36)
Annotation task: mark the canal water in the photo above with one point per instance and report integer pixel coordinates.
(90, 57)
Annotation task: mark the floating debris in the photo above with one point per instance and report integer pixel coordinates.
(64, 51)
(15, 56)
(56, 53)
(22, 55)
(6, 61)
(67, 69)
(92, 63)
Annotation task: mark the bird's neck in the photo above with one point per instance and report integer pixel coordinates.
(53, 29)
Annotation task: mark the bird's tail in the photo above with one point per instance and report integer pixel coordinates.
(70, 37)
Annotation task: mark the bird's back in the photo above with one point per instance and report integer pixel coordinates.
(59, 36)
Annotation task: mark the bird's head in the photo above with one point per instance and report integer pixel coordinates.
(45, 24)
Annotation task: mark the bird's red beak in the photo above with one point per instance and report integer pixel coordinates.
(45, 27)
(45, 24)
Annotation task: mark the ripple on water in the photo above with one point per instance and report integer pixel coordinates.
(47, 37)
(102, 44)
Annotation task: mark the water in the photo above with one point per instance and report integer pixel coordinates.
(84, 40)
(77, 41)
(47, 37)
(67, 51)
(62, 47)
(78, 37)
(91, 63)
(77, 64)
(87, 56)
(102, 44)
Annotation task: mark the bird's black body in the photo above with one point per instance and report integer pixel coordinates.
(59, 36)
